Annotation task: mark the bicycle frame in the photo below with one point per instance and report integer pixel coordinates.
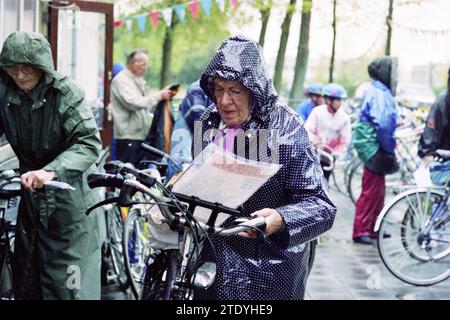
(442, 213)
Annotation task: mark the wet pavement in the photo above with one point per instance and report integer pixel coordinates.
(345, 270)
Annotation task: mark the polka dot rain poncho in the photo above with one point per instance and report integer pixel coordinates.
(277, 268)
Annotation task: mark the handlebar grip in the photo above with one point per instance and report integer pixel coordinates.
(113, 165)
(444, 154)
(153, 150)
(7, 194)
(96, 180)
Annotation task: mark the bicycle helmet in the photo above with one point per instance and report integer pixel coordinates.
(334, 91)
(314, 88)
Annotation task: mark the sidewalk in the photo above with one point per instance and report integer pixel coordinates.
(345, 270)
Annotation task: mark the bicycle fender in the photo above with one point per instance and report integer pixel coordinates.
(397, 198)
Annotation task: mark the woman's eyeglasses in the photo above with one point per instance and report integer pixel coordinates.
(234, 94)
(14, 71)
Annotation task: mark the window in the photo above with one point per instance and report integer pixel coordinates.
(18, 15)
(29, 15)
(10, 17)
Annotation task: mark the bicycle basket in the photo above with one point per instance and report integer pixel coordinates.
(440, 172)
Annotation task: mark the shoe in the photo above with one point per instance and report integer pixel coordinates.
(363, 240)
(385, 236)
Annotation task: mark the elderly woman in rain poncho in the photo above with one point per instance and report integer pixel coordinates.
(294, 203)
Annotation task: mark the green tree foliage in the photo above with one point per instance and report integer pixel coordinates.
(194, 42)
(301, 62)
(285, 28)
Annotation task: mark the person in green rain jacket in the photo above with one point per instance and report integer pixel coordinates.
(52, 131)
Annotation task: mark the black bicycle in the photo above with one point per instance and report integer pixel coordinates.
(9, 199)
(173, 274)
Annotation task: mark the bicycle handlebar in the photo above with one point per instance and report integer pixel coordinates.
(129, 186)
(96, 180)
(11, 178)
(7, 194)
(444, 154)
(329, 157)
(153, 150)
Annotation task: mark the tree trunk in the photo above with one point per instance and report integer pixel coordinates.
(333, 50)
(389, 27)
(301, 63)
(283, 43)
(167, 54)
(265, 14)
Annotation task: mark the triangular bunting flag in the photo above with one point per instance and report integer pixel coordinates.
(141, 21)
(193, 7)
(180, 10)
(221, 5)
(233, 3)
(128, 23)
(154, 15)
(167, 16)
(206, 5)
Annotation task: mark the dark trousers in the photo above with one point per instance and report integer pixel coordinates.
(369, 204)
(129, 151)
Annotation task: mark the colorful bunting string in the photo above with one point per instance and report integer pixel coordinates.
(154, 15)
(167, 16)
(193, 7)
(141, 21)
(206, 5)
(180, 10)
(221, 5)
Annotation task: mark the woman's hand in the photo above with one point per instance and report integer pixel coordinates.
(33, 180)
(274, 222)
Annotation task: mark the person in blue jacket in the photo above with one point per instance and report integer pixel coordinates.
(293, 201)
(314, 91)
(190, 110)
(379, 114)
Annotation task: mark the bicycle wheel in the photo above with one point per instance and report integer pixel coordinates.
(401, 239)
(354, 184)
(136, 249)
(160, 275)
(312, 254)
(338, 177)
(6, 278)
(115, 242)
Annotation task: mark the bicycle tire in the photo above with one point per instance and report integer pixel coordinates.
(354, 183)
(155, 286)
(312, 255)
(134, 242)
(410, 261)
(6, 277)
(116, 225)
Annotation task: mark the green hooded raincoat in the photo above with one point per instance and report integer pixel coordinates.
(57, 247)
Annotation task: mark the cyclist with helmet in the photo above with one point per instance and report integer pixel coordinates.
(328, 126)
(314, 93)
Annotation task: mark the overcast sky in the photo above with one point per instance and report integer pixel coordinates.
(417, 39)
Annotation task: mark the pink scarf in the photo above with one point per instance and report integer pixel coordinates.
(227, 143)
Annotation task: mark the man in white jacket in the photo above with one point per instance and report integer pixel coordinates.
(131, 103)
